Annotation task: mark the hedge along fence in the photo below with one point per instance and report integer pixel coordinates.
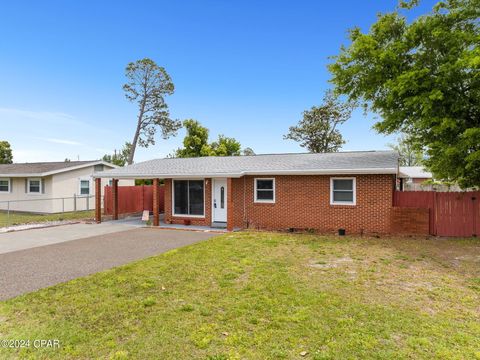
(133, 199)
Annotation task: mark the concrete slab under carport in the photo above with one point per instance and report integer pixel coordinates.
(35, 268)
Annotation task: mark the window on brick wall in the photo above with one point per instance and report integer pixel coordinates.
(342, 191)
(188, 198)
(264, 190)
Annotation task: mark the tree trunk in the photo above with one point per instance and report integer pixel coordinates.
(137, 134)
(134, 146)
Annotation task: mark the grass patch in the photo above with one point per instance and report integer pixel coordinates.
(17, 218)
(265, 296)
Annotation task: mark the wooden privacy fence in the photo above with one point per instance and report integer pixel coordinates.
(451, 213)
(133, 199)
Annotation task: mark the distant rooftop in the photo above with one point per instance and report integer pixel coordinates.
(43, 168)
(414, 172)
(355, 162)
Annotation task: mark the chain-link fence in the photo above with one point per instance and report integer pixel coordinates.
(15, 212)
(433, 187)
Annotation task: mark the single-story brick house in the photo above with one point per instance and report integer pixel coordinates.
(50, 187)
(327, 192)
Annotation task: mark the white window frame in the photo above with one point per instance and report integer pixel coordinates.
(9, 185)
(347, 203)
(173, 200)
(39, 187)
(80, 186)
(255, 191)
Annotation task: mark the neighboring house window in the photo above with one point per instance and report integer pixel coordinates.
(264, 190)
(34, 186)
(342, 191)
(84, 187)
(4, 185)
(188, 197)
(110, 182)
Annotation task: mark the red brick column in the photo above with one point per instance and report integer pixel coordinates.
(168, 200)
(98, 200)
(156, 215)
(115, 199)
(230, 210)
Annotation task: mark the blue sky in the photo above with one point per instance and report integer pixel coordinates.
(245, 69)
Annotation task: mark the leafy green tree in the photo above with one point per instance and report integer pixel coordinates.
(318, 130)
(195, 143)
(410, 155)
(6, 156)
(147, 86)
(119, 158)
(226, 146)
(423, 78)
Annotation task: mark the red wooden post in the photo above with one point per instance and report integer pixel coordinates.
(156, 215)
(98, 200)
(229, 205)
(115, 199)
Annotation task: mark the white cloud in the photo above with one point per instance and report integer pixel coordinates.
(61, 141)
(47, 116)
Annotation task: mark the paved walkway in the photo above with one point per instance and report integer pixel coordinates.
(35, 268)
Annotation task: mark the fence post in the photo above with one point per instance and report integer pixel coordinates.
(74, 202)
(87, 199)
(63, 205)
(8, 213)
(435, 217)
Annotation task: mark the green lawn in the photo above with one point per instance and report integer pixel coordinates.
(16, 218)
(265, 296)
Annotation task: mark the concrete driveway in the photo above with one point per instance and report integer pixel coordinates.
(30, 269)
(27, 239)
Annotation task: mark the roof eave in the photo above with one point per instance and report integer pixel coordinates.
(54, 172)
(366, 171)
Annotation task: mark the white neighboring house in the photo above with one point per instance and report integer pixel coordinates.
(50, 187)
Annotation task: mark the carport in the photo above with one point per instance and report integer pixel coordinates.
(194, 197)
(115, 197)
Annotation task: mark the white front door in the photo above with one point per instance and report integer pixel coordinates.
(219, 203)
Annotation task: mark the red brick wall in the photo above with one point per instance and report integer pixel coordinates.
(205, 221)
(304, 202)
(412, 221)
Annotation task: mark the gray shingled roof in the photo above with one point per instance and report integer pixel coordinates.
(41, 168)
(358, 162)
